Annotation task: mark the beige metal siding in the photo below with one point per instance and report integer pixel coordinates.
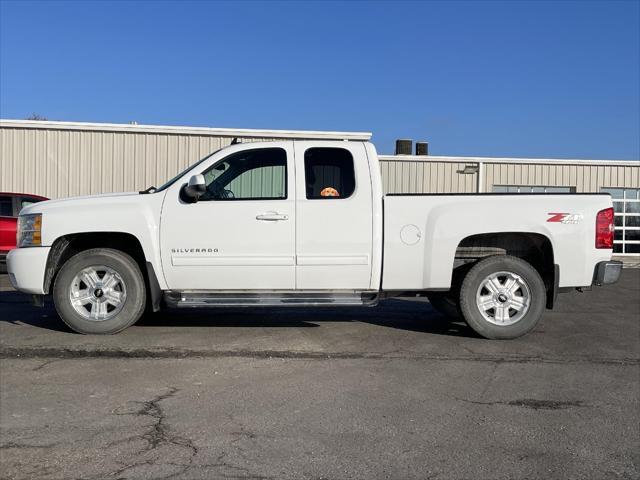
(584, 178)
(411, 174)
(59, 160)
(61, 163)
(425, 176)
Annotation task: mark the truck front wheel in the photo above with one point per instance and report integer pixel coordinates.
(99, 291)
(502, 297)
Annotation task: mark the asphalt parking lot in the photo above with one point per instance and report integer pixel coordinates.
(390, 392)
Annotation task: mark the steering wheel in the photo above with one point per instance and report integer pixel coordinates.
(216, 191)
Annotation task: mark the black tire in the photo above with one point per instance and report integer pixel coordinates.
(476, 276)
(446, 304)
(128, 270)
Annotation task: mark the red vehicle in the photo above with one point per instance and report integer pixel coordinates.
(10, 206)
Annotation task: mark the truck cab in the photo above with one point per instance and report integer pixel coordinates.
(281, 216)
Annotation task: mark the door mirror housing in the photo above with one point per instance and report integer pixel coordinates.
(192, 191)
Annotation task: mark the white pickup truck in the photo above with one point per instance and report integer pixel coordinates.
(305, 223)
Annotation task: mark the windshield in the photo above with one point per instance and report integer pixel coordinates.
(174, 179)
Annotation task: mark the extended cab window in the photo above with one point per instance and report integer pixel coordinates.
(329, 173)
(259, 174)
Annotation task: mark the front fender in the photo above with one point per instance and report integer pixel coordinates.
(136, 215)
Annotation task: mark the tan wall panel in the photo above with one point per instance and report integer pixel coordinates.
(424, 176)
(58, 163)
(585, 178)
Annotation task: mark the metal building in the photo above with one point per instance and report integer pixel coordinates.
(59, 159)
(431, 174)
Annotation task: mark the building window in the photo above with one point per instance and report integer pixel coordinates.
(532, 189)
(626, 204)
(329, 173)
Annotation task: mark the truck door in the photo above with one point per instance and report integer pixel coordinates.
(334, 216)
(240, 235)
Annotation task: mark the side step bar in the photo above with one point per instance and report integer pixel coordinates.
(175, 298)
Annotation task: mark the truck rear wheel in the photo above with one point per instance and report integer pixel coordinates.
(502, 297)
(99, 291)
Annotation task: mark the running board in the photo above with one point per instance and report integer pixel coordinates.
(175, 298)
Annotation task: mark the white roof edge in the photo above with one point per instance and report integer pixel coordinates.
(434, 158)
(178, 130)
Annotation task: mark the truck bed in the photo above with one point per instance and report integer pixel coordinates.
(422, 232)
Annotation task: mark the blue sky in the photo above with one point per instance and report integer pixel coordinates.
(528, 79)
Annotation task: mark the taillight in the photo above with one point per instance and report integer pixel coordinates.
(604, 228)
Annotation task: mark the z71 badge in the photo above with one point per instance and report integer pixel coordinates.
(567, 218)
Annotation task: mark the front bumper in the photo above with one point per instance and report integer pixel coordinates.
(27, 267)
(607, 272)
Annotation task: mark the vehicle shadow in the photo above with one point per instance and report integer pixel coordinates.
(400, 314)
(420, 317)
(17, 308)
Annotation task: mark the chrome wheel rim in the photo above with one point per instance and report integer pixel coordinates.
(503, 298)
(97, 293)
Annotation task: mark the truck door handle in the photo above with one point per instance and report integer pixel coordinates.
(272, 217)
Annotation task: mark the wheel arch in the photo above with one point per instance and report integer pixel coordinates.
(66, 246)
(532, 247)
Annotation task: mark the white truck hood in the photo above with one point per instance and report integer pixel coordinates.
(43, 207)
(133, 213)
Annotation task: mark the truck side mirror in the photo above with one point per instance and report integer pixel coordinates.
(192, 191)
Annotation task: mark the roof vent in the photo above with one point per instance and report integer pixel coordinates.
(422, 148)
(404, 146)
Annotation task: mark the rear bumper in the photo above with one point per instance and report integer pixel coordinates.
(26, 267)
(607, 272)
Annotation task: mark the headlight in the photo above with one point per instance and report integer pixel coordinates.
(30, 230)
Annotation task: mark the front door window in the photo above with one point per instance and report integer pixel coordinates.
(248, 175)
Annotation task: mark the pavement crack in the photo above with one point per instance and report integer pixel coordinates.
(531, 403)
(545, 404)
(157, 434)
(8, 445)
(222, 460)
(44, 364)
(7, 352)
